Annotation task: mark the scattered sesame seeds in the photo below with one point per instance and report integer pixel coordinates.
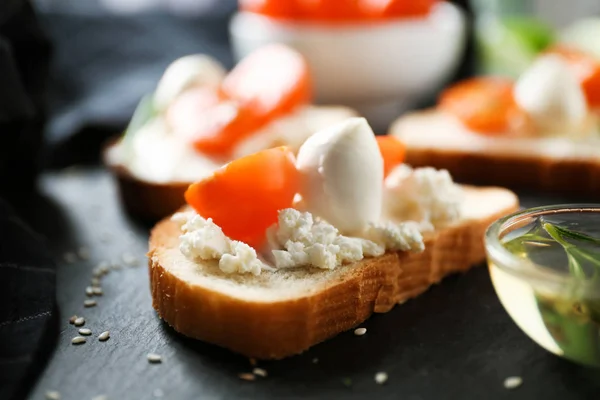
(70, 257)
(72, 319)
(315, 360)
(360, 331)
(154, 358)
(79, 321)
(247, 376)
(513, 382)
(84, 253)
(78, 340)
(85, 331)
(95, 282)
(97, 290)
(101, 269)
(53, 395)
(89, 291)
(130, 259)
(381, 378)
(104, 336)
(260, 372)
(101, 397)
(89, 303)
(158, 393)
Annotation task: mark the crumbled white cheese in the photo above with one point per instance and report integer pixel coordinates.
(405, 236)
(242, 258)
(299, 240)
(202, 239)
(425, 195)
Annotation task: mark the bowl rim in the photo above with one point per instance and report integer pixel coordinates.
(525, 268)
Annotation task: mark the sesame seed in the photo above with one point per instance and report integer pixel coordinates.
(101, 269)
(360, 331)
(89, 303)
(101, 397)
(53, 395)
(78, 340)
(84, 253)
(72, 319)
(85, 331)
(130, 259)
(95, 281)
(513, 382)
(79, 321)
(260, 372)
(70, 257)
(381, 377)
(154, 358)
(247, 376)
(315, 360)
(97, 290)
(104, 336)
(89, 291)
(158, 393)
(115, 266)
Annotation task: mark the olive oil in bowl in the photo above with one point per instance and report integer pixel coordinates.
(545, 267)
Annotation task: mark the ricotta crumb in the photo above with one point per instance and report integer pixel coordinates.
(425, 195)
(299, 240)
(202, 239)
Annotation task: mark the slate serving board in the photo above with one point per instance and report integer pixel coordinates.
(453, 342)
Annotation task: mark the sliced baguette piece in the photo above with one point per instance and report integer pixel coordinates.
(148, 201)
(283, 313)
(551, 164)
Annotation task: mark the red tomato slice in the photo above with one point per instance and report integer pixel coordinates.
(281, 9)
(244, 196)
(267, 84)
(390, 9)
(484, 104)
(392, 151)
(332, 11)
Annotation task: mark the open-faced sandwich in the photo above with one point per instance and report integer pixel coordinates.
(200, 117)
(275, 253)
(540, 132)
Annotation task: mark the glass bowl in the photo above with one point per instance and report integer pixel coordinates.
(554, 299)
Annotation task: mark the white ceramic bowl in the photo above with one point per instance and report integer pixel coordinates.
(377, 68)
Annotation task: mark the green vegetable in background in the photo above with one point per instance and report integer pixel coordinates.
(508, 45)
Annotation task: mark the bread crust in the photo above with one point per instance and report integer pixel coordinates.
(147, 201)
(274, 330)
(516, 171)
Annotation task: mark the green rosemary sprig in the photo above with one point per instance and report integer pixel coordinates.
(565, 237)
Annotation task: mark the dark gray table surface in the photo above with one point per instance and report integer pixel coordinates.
(453, 342)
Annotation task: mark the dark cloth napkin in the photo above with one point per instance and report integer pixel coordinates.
(27, 274)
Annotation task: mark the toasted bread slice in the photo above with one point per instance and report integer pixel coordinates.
(279, 314)
(552, 164)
